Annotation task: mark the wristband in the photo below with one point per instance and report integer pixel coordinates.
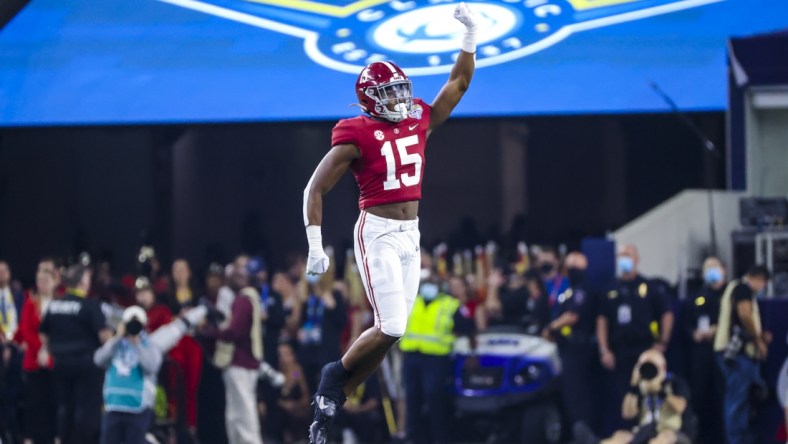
(634, 390)
(469, 40)
(314, 238)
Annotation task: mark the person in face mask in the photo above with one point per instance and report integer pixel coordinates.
(437, 318)
(573, 331)
(700, 314)
(131, 362)
(510, 302)
(555, 283)
(633, 317)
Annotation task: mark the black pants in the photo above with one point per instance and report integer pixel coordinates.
(708, 388)
(577, 381)
(78, 392)
(40, 407)
(427, 383)
(125, 428)
(210, 406)
(620, 377)
(10, 395)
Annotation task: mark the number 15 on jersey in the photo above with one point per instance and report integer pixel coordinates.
(393, 182)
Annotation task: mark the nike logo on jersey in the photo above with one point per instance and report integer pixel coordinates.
(412, 127)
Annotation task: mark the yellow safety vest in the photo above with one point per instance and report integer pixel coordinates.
(431, 326)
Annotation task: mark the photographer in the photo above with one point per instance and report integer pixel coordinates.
(131, 363)
(632, 318)
(657, 399)
(740, 344)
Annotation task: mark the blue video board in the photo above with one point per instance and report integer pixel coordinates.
(158, 61)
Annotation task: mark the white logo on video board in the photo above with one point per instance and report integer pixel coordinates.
(422, 35)
(418, 32)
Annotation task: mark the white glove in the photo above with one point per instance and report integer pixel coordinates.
(196, 315)
(464, 14)
(317, 259)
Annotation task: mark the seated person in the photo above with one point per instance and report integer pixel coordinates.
(657, 399)
(289, 419)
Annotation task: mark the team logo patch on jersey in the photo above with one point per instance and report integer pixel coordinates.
(379, 135)
(416, 111)
(421, 35)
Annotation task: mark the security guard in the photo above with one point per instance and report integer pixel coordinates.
(633, 317)
(573, 331)
(71, 331)
(699, 319)
(427, 346)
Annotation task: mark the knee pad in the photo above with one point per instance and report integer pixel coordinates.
(394, 327)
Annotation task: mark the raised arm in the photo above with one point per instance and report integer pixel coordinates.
(335, 163)
(462, 72)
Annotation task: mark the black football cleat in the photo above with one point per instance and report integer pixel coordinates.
(325, 411)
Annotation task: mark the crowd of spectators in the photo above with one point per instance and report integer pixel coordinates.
(234, 355)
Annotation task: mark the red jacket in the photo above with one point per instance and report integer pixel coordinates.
(28, 334)
(158, 315)
(188, 354)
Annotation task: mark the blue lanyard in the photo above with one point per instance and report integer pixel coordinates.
(555, 291)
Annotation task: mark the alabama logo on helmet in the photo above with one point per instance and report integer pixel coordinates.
(421, 35)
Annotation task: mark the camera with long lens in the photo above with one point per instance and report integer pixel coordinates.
(133, 327)
(648, 371)
(134, 320)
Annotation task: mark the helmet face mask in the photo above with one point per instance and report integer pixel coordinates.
(385, 91)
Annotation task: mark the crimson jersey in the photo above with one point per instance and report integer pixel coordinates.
(391, 165)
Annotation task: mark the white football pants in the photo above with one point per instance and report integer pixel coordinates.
(389, 260)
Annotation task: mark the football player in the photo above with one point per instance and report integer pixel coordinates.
(384, 148)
